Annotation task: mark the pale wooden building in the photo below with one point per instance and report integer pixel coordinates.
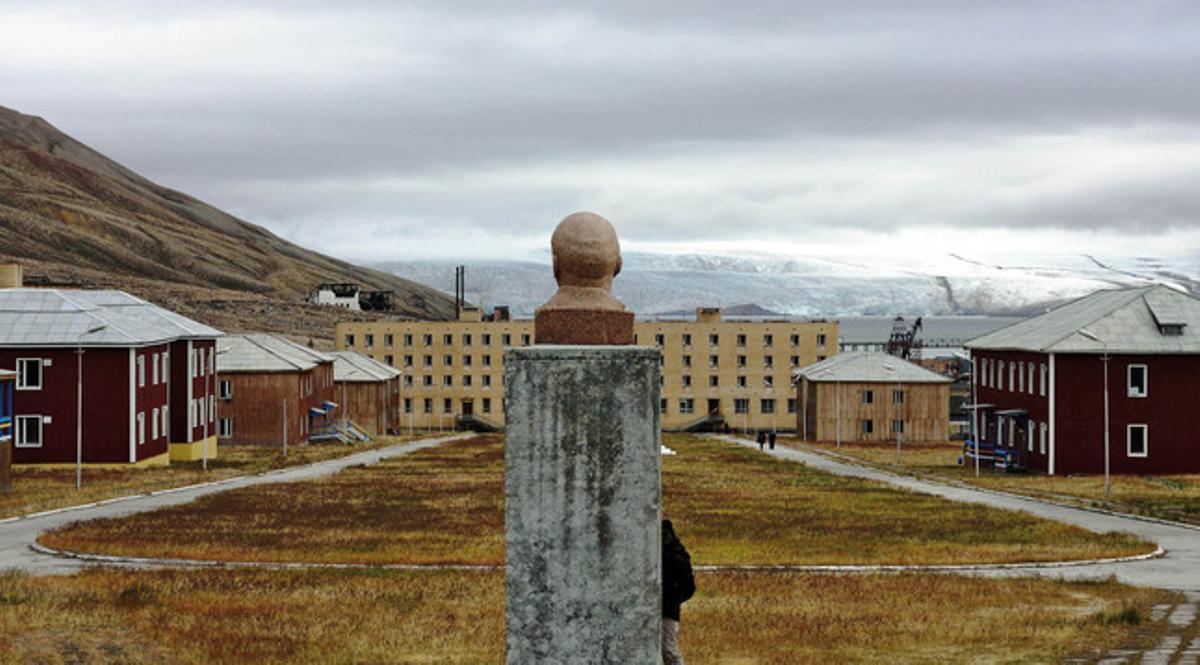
(368, 392)
(871, 397)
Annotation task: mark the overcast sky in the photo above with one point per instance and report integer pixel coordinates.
(377, 130)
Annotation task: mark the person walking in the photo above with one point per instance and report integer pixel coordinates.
(762, 438)
(678, 586)
(771, 440)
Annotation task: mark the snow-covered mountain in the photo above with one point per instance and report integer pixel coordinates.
(653, 283)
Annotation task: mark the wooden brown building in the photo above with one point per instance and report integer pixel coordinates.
(871, 397)
(368, 392)
(270, 389)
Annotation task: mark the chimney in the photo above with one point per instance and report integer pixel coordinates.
(11, 276)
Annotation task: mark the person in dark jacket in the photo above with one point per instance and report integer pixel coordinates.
(771, 440)
(762, 438)
(678, 586)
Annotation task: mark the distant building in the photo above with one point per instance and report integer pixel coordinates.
(367, 392)
(872, 397)
(146, 378)
(717, 372)
(271, 389)
(1040, 384)
(337, 295)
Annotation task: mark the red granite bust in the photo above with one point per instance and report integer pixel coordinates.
(587, 256)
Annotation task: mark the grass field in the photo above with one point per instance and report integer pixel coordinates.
(267, 617)
(1168, 497)
(731, 505)
(35, 489)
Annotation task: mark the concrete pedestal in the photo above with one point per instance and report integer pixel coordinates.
(582, 471)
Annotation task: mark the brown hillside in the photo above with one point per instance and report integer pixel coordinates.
(74, 217)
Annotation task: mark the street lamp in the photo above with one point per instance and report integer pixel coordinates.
(900, 390)
(79, 402)
(1092, 336)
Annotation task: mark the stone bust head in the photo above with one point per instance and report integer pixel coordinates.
(587, 256)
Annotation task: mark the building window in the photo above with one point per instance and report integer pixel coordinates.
(448, 360)
(868, 426)
(660, 339)
(408, 361)
(897, 427)
(349, 340)
(1020, 376)
(141, 371)
(687, 380)
(795, 360)
(768, 381)
(466, 361)
(369, 340)
(389, 340)
(448, 380)
(408, 405)
(165, 421)
(29, 375)
(154, 424)
(768, 406)
(486, 339)
(427, 381)
(662, 405)
(897, 397)
(506, 339)
(1030, 384)
(154, 370)
(427, 340)
(29, 432)
(741, 405)
(768, 340)
(687, 405)
(225, 428)
(408, 339)
(714, 339)
(390, 361)
(821, 339)
(141, 428)
(741, 381)
(687, 361)
(1043, 380)
(791, 404)
(427, 405)
(714, 361)
(868, 397)
(768, 361)
(741, 361)
(408, 380)
(487, 380)
(741, 340)
(1138, 381)
(487, 404)
(795, 340)
(447, 340)
(466, 381)
(1138, 441)
(428, 361)
(225, 389)
(687, 339)
(525, 340)
(1012, 370)
(447, 405)
(714, 381)
(467, 339)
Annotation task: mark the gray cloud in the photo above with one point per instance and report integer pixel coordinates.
(716, 118)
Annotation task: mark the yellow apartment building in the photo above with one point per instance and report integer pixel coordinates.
(716, 372)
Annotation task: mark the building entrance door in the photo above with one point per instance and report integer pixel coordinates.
(714, 407)
(468, 407)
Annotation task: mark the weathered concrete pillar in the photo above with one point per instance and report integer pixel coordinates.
(582, 472)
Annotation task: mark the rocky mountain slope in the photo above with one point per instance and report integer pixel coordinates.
(75, 218)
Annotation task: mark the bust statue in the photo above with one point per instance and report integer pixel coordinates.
(587, 256)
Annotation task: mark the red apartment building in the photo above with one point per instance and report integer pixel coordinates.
(1040, 384)
(271, 389)
(133, 370)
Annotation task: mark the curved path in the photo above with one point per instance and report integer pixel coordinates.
(1178, 570)
(18, 535)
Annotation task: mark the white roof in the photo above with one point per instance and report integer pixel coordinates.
(868, 367)
(354, 368)
(50, 317)
(1127, 320)
(263, 352)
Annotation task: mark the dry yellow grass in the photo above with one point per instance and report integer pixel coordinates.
(1169, 497)
(35, 489)
(265, 617)
(446, 505)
